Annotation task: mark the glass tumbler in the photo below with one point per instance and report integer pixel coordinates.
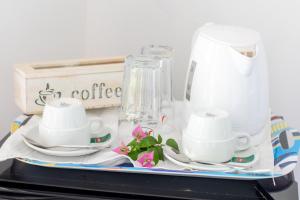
(141, 96)
(164, 55)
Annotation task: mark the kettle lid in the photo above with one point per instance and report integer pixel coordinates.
(230, 35)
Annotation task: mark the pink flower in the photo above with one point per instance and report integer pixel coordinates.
(146, 160)
(138, 133)
(122, 149)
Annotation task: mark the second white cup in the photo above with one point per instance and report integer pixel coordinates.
(208, 137)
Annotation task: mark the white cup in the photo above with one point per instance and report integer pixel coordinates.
(208, 137)
(64, 122)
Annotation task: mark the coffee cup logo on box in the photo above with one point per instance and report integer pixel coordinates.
(44, 95)
(97, 82)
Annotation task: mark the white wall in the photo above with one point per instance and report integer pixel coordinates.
(35, 30)
(121, 27)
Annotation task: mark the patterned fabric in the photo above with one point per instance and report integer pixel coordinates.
(18, 122)
(286, 144)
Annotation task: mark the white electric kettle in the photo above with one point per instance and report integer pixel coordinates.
(228, 70)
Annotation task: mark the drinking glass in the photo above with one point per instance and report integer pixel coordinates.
(164, 55)
(141, 95)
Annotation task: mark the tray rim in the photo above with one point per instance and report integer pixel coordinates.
(156, 171)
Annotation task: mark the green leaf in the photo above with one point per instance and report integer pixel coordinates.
(132, 143)
(134, 154)
(148, 142)
(136, 148)
(160, 153)
(175, 151)
(159, 139)
(173, 144)
(156, 156)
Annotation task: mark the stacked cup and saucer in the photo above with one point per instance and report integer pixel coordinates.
(209, 143)
(65, 130)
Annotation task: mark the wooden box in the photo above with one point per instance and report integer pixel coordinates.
(97, 82)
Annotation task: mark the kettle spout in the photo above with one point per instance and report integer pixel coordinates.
(244, 60)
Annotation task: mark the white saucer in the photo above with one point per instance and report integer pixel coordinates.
(32, 134)
(78, 152)
(242, 160)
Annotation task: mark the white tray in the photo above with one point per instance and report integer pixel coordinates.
(285, 144)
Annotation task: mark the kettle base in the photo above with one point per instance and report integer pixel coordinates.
(260, 137)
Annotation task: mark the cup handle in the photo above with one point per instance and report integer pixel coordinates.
(243, 141)
(97, 130)
(95, 124)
